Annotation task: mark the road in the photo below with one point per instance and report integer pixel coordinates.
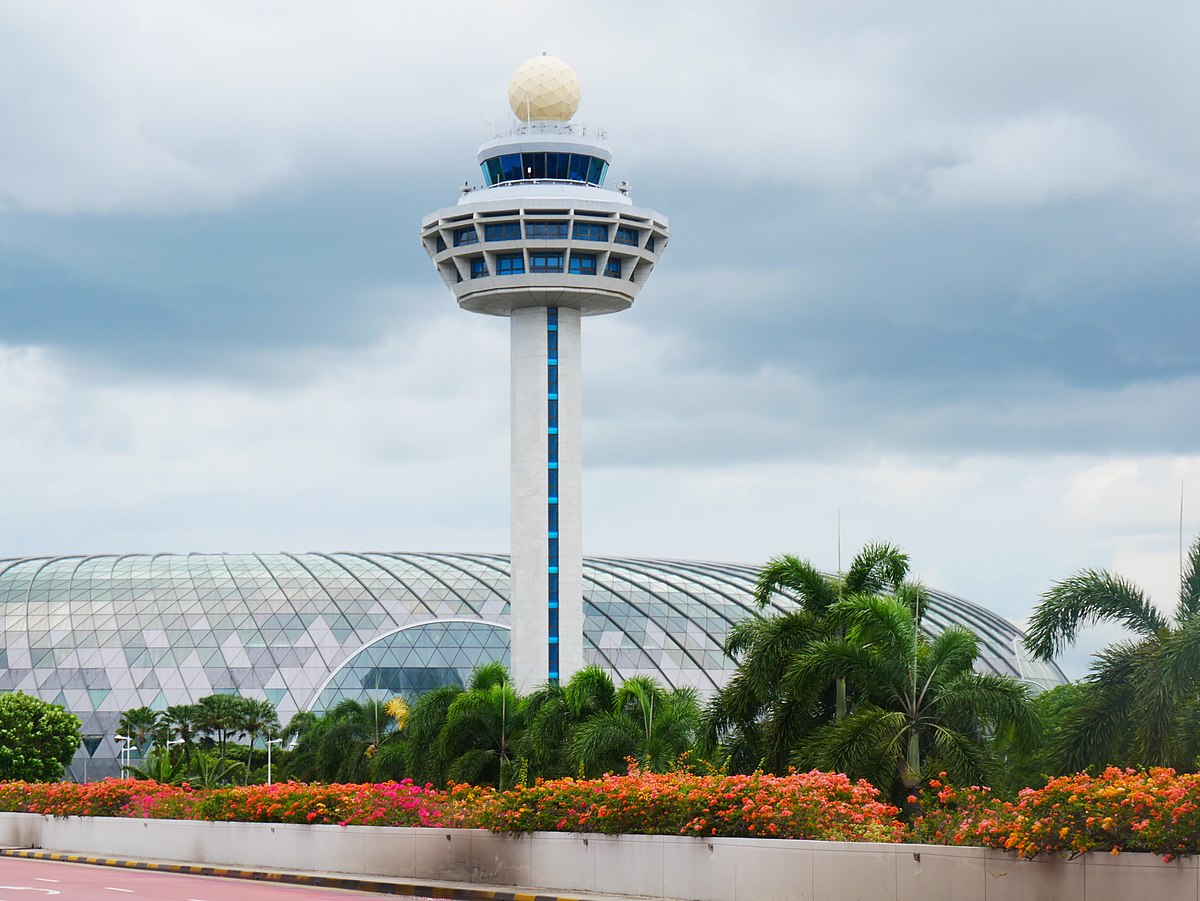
(32, 880)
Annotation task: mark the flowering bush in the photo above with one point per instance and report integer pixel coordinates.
(799, 805)
(1153, 810)
(385, 804)
(1119, 810)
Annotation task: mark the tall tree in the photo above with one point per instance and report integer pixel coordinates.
(483, 724)
(220, 718)
(753, 717)
(37, 739)
(139, 724)
(1140, 695)
(554, 713)
(182, 720)
(919, 699)
(257, 716)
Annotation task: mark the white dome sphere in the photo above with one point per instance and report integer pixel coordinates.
(544, 88)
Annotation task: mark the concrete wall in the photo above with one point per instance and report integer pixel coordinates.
(720, 869)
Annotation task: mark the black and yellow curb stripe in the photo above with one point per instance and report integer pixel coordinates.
(314, 879)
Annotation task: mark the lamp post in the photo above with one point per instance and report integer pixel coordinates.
(271, 741)
(126, 750)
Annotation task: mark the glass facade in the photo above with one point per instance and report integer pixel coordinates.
(576, 167)
(102, 634)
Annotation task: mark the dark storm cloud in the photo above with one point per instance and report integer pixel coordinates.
(206, 291)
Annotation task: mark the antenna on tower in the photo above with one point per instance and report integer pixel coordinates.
(1181, 534)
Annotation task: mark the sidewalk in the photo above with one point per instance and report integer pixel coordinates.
(460, 891)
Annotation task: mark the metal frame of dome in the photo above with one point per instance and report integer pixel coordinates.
(102, 634)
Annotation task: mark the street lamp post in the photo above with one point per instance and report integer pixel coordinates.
(126, 750)
(271, 741)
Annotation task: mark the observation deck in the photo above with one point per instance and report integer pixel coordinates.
(543, 230)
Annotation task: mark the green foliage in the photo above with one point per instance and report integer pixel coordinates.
(1138, 705)
(37, 739)
(1028, 760)
(919, 700)
(761, 715)
(487, 734)
(647, 724)
(214, 721)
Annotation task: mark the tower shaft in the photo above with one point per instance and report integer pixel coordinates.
(546, 606)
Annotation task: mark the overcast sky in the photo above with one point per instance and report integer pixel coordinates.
(934, 272)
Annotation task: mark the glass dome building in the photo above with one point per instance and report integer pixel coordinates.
(102, 634)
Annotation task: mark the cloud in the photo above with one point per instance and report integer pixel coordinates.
(1035, 160)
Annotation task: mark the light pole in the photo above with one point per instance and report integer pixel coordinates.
(126, 750)
(271, 741)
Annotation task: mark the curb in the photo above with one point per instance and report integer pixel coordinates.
(378, 886)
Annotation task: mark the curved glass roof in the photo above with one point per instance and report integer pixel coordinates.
(102, 634)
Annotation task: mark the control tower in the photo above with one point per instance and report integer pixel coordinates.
(545, 243)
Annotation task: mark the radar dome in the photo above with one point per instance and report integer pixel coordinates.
(544, 88)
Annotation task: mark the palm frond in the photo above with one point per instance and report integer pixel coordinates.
(799, 578)
(602, 743)
(488, 675)
(1097, 730)
(589, 691)
(1088, 597)
(877, 621)
(868, 743)
(878, 567)
(967, 759)
(1189, 585)
(952, 652)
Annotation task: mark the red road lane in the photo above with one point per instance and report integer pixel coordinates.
(35, 880)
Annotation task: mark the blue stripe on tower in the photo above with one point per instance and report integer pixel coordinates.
(552, 492)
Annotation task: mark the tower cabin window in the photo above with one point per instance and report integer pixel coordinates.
(627, 236)
(613, 269)
(510, 264)
(583, 264)
(545, 230)
(502, 231)
(545, 262)
(466, 235)
(590, 231)
(479, 267)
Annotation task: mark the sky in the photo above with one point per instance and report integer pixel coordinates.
(933, 279)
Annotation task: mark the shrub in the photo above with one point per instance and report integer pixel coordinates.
(1154, 810)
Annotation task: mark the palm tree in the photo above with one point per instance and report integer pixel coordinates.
(918, 698)
(410, 751)
(219, 717)
(555, 712)
(303, 734)
(1141, 695)
(647, 723)
(482, 724)
(339, 746)
(755, 721)
(140, 725)
(181, 720)
(257, 715)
